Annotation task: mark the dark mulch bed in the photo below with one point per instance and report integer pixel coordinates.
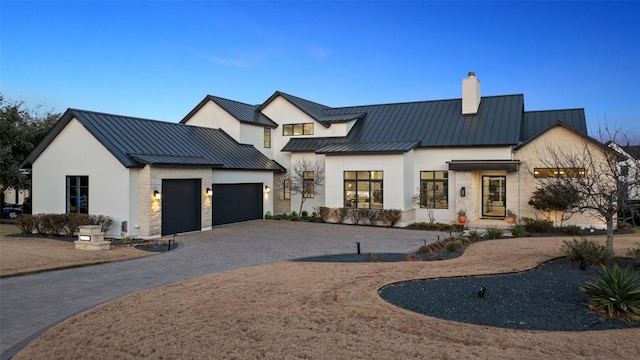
(381, 257)
(146, 245)
(546, 298)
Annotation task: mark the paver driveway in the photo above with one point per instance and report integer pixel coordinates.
(29, 305)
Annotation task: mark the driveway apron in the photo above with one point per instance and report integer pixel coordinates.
(32, 304)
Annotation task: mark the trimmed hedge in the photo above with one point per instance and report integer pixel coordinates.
(60, 224)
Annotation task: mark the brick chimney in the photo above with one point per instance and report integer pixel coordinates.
(470, 94)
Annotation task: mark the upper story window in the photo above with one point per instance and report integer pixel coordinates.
(558, 172)
(77, 198)
(267, 138)
(434, 189)
(297, 129)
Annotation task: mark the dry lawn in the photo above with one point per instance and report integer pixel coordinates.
(23, 255)
(291, 310)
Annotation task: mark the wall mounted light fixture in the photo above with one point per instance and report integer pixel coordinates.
(157, 195)
(209, 192)
(267, 189)
(463, 192)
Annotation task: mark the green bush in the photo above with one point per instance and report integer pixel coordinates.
(573, 230)
(518, 231)
(451, 246)
(494, 233)
(474, 235)
(616, 291)
(634, 252)
(586, 251)
(304, 213)
(536, 225)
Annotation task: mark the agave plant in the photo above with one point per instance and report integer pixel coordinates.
(616, 291)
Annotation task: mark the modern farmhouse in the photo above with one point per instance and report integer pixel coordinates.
(226, 161)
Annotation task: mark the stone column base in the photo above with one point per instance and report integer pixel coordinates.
(92, 245)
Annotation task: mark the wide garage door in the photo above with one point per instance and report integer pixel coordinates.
(181, 205)
(236, 202)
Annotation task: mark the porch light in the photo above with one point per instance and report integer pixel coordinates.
(267, 189)
(463, 192)
(209, 192)
(157, 195)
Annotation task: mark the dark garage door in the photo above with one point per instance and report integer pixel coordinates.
(181, 206)
(236, 202)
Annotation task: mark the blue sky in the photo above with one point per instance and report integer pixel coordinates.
(159, 59)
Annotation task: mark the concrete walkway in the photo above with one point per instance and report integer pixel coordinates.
(32, 304)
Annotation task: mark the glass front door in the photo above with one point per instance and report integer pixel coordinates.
(494, 196)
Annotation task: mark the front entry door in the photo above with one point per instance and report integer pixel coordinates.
(494, 191)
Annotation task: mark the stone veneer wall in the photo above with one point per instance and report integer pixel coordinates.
(150, 210)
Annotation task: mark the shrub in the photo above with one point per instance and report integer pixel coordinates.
(537, 226)
(586, 251)
(451, 246)
(294, 218)
(413, 257)
(324, 213)
(304, 213)
(312, 219)
(340, 214)
(474, 235)
(571, 230)
(104, 221)
(615, 292)
(26, 223)
(372, 216)
(53, 224)
(634, 252)
(518, 231)
(75, 220)
(391, 216)
(624, 226)
(424, 249)
(293, 213)
(494, 233)
(356, 215)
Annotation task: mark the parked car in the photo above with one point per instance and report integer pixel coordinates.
(11, 211)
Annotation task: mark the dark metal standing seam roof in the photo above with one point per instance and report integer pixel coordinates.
(535, 122)
(433, 123)
(633, 150)
(242, 112)
(135, 142)
(366, 148)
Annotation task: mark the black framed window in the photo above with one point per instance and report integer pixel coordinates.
(363, 189)
(297, 129)
(267, 138)
(434, 189)
(307, 184)
(77, 197)
(287, 189)
(558, 172)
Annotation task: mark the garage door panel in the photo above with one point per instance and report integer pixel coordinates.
(181, 205)
(236, 202)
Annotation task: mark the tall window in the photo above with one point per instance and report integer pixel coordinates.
(363, 189)
(307, 184)
(77, 195)
(297, 129)
(267, 138)
(287, 189)
(434, 189)
(557, 172)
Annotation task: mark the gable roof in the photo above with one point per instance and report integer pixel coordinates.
(553, 126)
(244, 113)
(534, 122)
(136, 142)
(632, 150)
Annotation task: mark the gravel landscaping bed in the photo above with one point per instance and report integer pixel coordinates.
(546, 298)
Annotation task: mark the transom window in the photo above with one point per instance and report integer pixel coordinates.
(558, 172)
(297, 129)
(363, 189)
(267, 138)
(77, 198)
(434, 189)
(307, 184)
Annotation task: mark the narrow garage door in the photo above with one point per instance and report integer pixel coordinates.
(180, 205)
(236, 202)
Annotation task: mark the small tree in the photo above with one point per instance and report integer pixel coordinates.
(428, 199)
(556, 198)
(592, 174)
(305, 178)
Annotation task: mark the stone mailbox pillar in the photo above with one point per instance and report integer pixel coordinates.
(91, 238)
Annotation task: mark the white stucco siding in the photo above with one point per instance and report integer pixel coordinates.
(245, 177)
(318, 199)
(76, 152)
(394, 194)
(254, 135)
(210, 115)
